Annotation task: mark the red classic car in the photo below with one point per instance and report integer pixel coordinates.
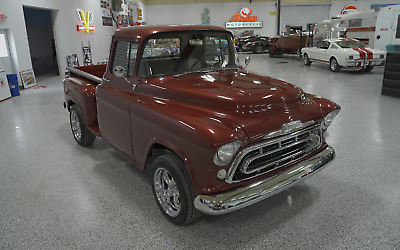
(216, 137)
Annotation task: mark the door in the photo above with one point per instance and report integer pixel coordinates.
(114, 96)
(396, 33)
(5, 56)
(320, 53)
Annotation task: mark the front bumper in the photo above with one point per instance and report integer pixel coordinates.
(245, 196)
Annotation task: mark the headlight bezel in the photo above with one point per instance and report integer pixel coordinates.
(226, 153)
(327, 120)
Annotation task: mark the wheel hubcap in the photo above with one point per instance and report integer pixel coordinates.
(333, 65)
(75, 125)
(167, 192)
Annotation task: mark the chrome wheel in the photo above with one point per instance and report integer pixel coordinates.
(75, 125)
(167, 192)
(334, 65)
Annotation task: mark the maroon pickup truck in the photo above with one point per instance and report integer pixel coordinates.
(216, 137)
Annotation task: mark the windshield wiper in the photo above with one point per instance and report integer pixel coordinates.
(192, 72)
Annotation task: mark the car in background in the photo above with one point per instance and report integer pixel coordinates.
(257, 44)
(344, 52)
(288, 43)
(241, 41)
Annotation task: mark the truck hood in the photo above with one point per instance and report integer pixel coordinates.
(259, 104)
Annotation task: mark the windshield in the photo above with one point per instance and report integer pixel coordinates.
(350, 44)
(180, 53)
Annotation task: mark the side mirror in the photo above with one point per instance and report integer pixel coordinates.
(119, 71)
(246, 61)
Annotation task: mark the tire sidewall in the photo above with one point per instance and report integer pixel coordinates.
(180, 219)
(335, 64)
(306, 60)
(76, 109)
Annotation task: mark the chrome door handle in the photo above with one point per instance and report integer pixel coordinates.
(105, 80)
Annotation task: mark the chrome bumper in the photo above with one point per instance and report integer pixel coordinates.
(245, 196)
(364, 62)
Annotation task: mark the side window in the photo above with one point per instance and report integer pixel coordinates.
(132, 61)
(125, 56)
(398, 27)
(355, 22)
(324, 45)
(158, 47)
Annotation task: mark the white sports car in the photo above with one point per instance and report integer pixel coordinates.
(343, 52)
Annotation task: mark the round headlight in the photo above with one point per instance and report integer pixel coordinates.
(226, 152)
(329, 118)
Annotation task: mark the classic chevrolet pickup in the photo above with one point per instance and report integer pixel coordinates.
(216, 137)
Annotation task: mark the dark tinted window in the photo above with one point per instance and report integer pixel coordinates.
(355, 22)
(398, 27)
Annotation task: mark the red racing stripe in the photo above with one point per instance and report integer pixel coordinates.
(362, 53)
(370, 55)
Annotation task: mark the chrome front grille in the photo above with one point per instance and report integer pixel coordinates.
(275, 153)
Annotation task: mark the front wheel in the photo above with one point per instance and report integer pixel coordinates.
(368, 68)
(172, 190)
(271, 52)
(258, 50)
(335, 67)
(81, 134)
(307, 61)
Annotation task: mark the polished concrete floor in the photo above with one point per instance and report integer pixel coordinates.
(56, 194)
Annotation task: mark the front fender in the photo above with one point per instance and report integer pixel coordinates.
(193, 134)
(325, 105)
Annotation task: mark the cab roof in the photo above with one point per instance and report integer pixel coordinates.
(141, 32)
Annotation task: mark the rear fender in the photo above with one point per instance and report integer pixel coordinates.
(81, 92)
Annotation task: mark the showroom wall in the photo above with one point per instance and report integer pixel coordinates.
(337, 6)
(219, 13)
(67, 38)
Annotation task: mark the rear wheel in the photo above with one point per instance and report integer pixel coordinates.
(81, 134)
(173, 191)
(271, 52)
(258, 49)
(335, 67)
(368, 68)
(307, 61)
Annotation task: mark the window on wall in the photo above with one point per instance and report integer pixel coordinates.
(355, 22)
(125, 56)
(3, 46)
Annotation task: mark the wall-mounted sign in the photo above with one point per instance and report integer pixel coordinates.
(243, 16)
(205, 17)
(2, 17)
(86, 20)
(243, 25)
(107, 21)
(349, 9)
(273, 13)
(139, 14)
(243, 20)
